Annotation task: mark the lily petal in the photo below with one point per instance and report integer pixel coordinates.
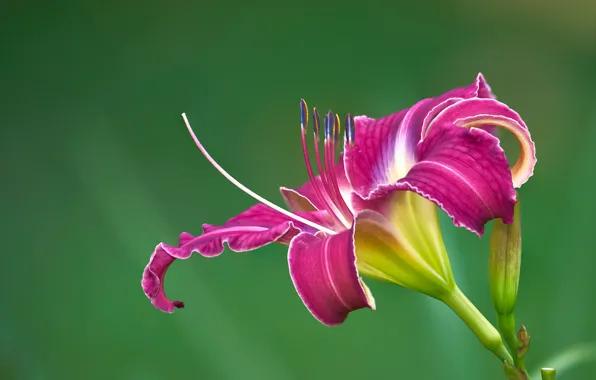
(276, 227)
(465, 172)
(304, 198)
(252, 229)
(384, 149)
(370, 161)
(323, 270)
(475, 112)
(479, 89)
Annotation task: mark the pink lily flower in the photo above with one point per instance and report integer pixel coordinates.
(373, 212)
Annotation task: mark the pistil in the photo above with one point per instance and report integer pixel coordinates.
(247, 190)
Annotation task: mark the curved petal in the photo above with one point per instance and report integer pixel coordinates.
(475, 112)
(252, 229)
(384, 149)
(479, 89)
(324, 274)
(304, 198)
(370, 160)
(465, 172)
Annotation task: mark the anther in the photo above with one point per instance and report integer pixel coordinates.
(331, 125)
(337, 130)
(350, 130)
(316, 122)
(327, 125)
(303, 115)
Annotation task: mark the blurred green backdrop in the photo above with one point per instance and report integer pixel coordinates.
(97, 168)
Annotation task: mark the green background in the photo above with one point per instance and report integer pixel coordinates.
(97, 168)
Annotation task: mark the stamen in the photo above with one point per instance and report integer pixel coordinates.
(323, 173)
(319, 191)
(332, 184)
(336, 129)
(247, 190)
(326, 152)
(342, 203)
(330, 155)
(318, 156)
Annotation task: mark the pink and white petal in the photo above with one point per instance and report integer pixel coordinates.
(384, 150)
(304, 198)
(472, 113)
(276, 226)
(252, 229)
(465, 172)
(478, 89)
(241, 238)
(370, 161)
(323, 270)
(247, 240)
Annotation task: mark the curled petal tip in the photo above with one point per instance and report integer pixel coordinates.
(483, 88)
(153, 278)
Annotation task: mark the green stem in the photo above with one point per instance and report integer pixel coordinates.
(506, 325)
(548, 373)
(480, 326)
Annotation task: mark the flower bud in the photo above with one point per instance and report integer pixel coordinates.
(523, 342)
(504, 263)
